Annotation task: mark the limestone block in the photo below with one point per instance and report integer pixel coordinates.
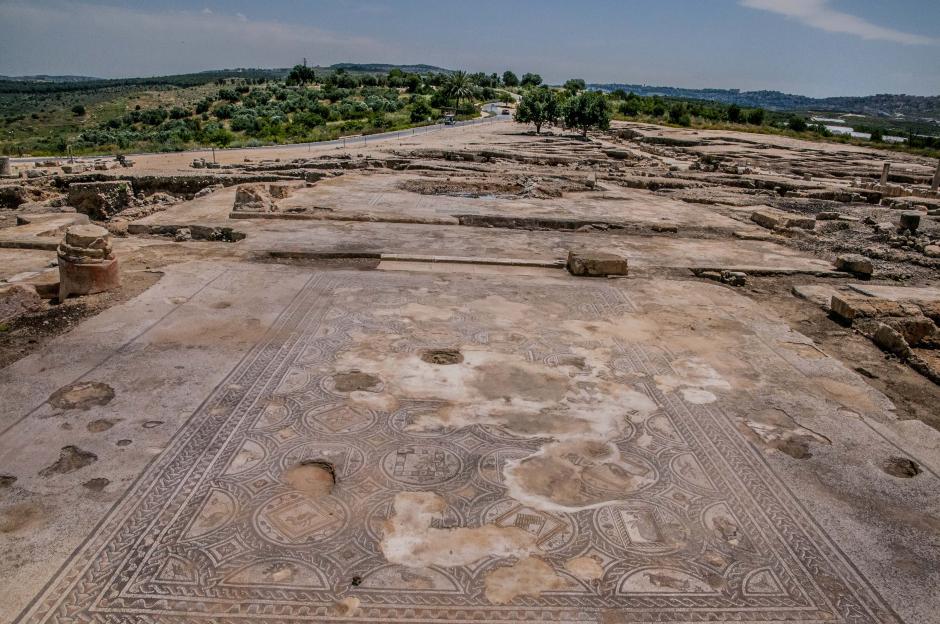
(765, 219)
(842, 308)
(17, 299)
(772, 219)
(913, 328)
(891, 340)
(855, 264)
(596, 264)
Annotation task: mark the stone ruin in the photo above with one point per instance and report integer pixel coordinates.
(100, 200)
(259, 197)
(202, 163)
(86, 262)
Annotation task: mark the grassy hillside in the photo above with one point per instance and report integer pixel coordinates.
(224, 108)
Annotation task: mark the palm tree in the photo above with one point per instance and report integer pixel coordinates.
(459, 86)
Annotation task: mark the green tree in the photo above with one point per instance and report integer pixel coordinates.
(301, 74)
(459, 87)
(586, 110)
(877, 135)
(756, 117)
(538, 106)
(575, 85)
(78, 110)
(531, 80)
(413, 83)
(734, 113)
(219, 136)
(510, 79)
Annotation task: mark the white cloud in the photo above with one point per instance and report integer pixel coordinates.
(66, 36)
(816, 13)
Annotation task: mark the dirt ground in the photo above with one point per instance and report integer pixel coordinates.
(360, 385)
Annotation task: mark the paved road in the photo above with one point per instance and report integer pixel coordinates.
(494, 109)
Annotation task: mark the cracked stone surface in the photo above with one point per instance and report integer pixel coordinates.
(431, 438)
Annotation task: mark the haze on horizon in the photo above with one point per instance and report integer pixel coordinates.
(810, 47)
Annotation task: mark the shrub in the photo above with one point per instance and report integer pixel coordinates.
(797, 124)
(756, 117)
(203, 106)
(629, 108)
(153, 116)
(305, 119)
(677, 112)
(225, 111)
(78, 110)
(420, 111)
(228, 95)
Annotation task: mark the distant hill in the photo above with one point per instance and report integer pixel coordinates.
(53, 84)
(904, 106)
(47, 78)
(28, 84)
(385, 68)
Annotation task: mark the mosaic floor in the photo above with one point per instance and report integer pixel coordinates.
(607, 495)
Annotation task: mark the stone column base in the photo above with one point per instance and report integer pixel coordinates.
(86, 278)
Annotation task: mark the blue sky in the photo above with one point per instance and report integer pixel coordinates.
(812, 47)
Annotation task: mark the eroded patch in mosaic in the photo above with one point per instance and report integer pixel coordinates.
(546, 463)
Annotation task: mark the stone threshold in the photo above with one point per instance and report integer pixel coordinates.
(402, 257)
